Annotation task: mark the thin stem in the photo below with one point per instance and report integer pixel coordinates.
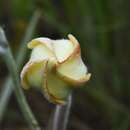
(61, 115)
(4, 96)
(8, 86)
(7, 55)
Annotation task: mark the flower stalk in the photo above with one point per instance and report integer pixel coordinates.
(61, 115)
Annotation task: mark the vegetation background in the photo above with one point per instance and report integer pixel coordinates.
(103, 30)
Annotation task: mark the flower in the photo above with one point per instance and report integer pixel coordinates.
(55, 67)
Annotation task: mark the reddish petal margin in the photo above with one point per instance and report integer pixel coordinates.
(28, 71)
(76, 49)
(54, 89)
(65, 49)
(73, 71)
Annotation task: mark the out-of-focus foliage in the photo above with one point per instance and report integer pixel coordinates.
(103, 29)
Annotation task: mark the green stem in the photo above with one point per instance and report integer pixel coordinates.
(61, 115)
(7, 55)
(8, 86)
(4, 96)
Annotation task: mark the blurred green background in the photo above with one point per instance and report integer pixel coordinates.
(103, 30)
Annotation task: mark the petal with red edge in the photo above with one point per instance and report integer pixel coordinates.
(54, 89)
(32, 74)
(63, 49)
(73, 71)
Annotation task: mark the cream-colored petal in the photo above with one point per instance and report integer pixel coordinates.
(54, 89)
(41, 41)
(65, 49)
(40, 52)
(74, 71)
(32, 74)
(73, 40)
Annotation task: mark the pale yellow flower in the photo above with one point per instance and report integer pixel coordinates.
(55, 67)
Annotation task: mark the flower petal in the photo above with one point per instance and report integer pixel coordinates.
(62, 48)
(32, 74)
(38, 41)
(54, 89)
(65, 49)
(40, 52)
(74, 71)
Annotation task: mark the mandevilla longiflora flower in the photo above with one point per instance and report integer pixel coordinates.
(55, 67)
